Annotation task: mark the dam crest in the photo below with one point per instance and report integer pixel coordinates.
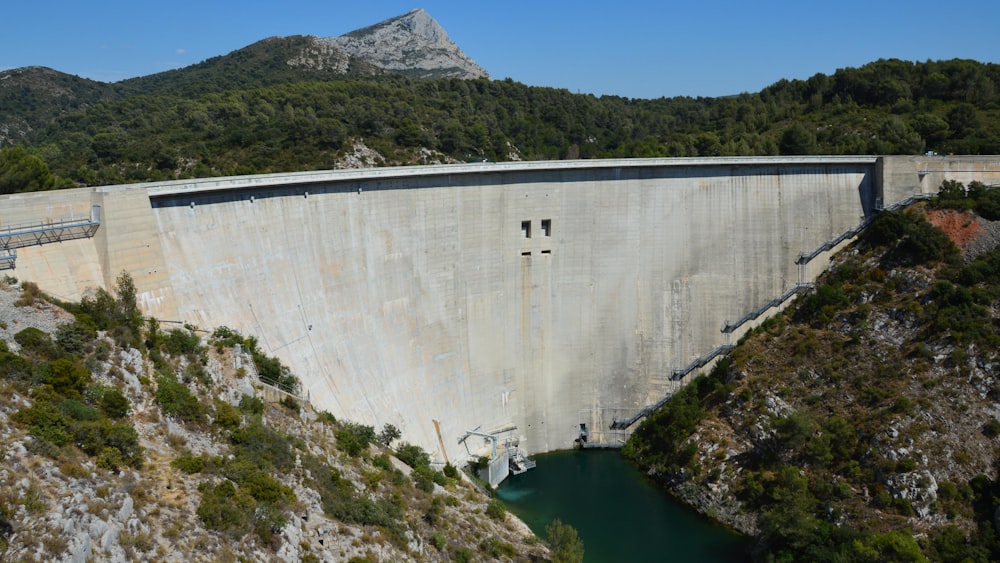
(447, 299)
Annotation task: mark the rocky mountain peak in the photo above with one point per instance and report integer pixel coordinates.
(413, 43)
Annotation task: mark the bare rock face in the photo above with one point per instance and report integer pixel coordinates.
(414, 44)
(321, 55)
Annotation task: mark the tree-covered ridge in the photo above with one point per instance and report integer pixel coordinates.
(33, 97)
(208, 121)
(259, 65)
(859, 425)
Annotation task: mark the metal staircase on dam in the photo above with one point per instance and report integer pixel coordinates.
(677, 375)
(621, 422)
(13, 237)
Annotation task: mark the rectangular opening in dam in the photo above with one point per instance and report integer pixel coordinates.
(546, 227)
(526, 229)
(526, 253)
(546, 252)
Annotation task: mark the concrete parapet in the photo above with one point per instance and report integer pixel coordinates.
(904, 176)
(272, 394)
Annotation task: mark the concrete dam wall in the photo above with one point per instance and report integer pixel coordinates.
(444, 299)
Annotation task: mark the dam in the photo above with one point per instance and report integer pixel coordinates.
(538, 301)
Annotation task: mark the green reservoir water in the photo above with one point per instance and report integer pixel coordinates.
(620, 514)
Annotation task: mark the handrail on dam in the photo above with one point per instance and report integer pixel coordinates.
(33, 234)
(677, 375)
(729, 328)
(805, 258)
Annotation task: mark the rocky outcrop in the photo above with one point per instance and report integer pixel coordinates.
(321, 55)
(414, 44)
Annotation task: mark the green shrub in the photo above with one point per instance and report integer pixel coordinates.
(902, 405)
(450, 471)
(66, 377)
(182, 342)
(45, 422)
(175, 399)
(267, 448)
(988, 205)
(890, 546)
(992, 428)
(266, 489)
(110, 458)
(118, 436)
(226, 416)
(906, 465)
(496, 510)
(382, 462)
(564, 542)
(434, 511)
(354, 438)
(226, 337)
(412, 455)
(423, 478)
(340, 500)
(73, 338)
(18, 370)
(496, 549)
(101, 308)
(36, 343)
(438, 539)
(77, 410)
(251, 405)
(947, 490)
(195, 372)
(225, 509)
(114, 404)
(188, 463)
(388, 435)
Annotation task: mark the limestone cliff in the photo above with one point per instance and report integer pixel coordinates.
(413, 43)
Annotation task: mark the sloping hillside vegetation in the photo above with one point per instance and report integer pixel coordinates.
(33, 97)
(253, 115)
(863, 423)
(125, 440)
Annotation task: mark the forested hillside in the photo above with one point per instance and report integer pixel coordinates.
(219, 118)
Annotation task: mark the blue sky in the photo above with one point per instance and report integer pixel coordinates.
(637, 49)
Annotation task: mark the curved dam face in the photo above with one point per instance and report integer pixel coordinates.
(452, 298)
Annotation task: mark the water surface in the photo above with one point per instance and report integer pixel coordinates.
(620, 514)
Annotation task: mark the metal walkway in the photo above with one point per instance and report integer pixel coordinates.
(678, 374)
(20, 236)
(621, 425)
